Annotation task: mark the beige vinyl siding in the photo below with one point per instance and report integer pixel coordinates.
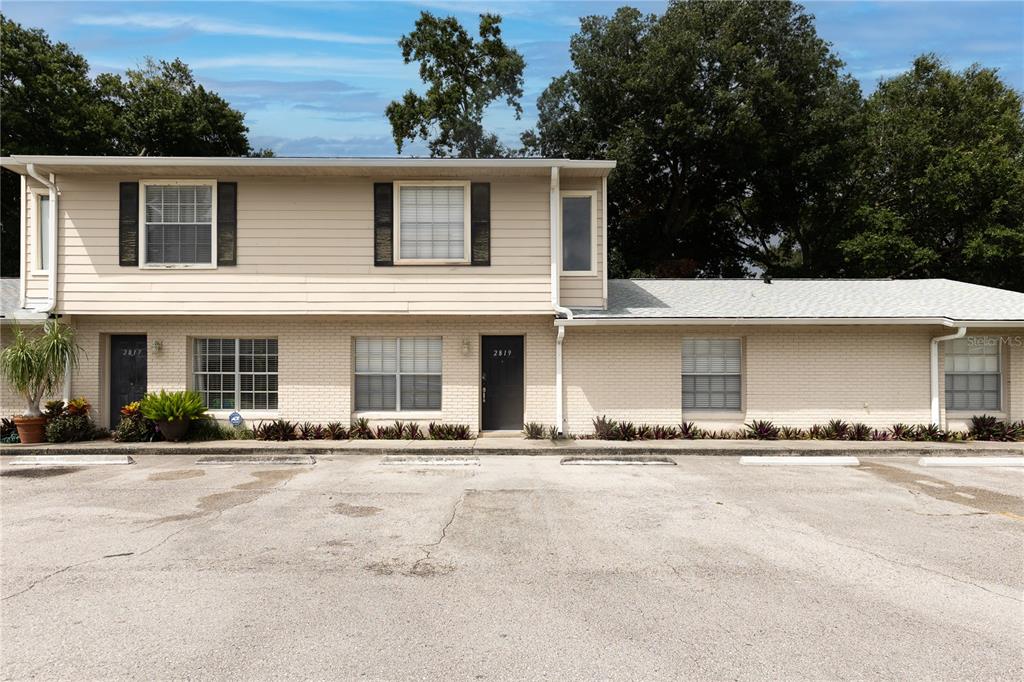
(315, 359)
(305, 245)
(586, 291)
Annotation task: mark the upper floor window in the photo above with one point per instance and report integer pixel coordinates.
(579, 225)
(711, 374)
(398, 373)
(41, 262)
(432, 222)
(178, 223)
(973, 373)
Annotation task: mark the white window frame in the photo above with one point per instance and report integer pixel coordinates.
(592, 195)
(212, 265)
(398, 374)
(712, 412)
(959, 412)
(397, 230)
(36, 226)
(237, 374)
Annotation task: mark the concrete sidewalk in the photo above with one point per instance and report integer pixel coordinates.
(520, 446)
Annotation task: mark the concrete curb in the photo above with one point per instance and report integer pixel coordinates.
(496, 446)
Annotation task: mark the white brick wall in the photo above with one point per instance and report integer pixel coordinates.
(795, 376)
(315, 358)
(792, 375)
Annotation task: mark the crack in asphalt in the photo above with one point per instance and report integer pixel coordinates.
(903, 564)
(443, 535)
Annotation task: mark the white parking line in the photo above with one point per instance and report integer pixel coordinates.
(810, 460)
(72, 460)
(1016, 462)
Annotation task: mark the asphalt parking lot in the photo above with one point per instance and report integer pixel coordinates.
(516, 568)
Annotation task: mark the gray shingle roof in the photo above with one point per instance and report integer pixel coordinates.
(807, 298)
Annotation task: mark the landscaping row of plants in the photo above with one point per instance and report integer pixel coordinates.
(360, 429)
(982, 428)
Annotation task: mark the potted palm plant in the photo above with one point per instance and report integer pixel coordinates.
(34, 365)
(173, 412)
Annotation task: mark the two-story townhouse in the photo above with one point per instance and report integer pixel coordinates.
(465, 291)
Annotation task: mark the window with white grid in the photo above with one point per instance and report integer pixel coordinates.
(235, 374)
(711, 374)
(178, 224)
(973, 373)
(398, 373)
(432, 222)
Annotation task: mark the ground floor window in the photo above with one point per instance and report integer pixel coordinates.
(973, 373)
(711, 374)
(398, 373)
(235, 374)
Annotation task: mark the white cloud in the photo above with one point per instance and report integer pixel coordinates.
(320, 65)
(214, 26)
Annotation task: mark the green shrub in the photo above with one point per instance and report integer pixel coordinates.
(173, 406)
(690, 431)
(449, 431)
(414, 431)
(361, 430)
(533, 431)
(761, 429)
(335, 431)
(207, 429)
(792, 433)
(68, 428)
(311, 431)
(133, 427)
(8, 431)
(987, 427)
(660, 432)
(278, 429)
(605, 428)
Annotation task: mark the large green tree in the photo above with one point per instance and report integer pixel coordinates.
(942, 179)
(464, 77)
(733, 129)
(52, 106)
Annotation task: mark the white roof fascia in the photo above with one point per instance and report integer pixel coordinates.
(726, 321)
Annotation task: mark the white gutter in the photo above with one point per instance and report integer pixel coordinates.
(556, 258)
(810, 321)
(306, 162)
(934, 368)
(51, 284)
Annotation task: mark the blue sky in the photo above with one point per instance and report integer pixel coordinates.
(314, 78)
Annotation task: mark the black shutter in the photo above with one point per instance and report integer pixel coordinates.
(227, 223)
(128, 225)
(480, 223)
(383, 223)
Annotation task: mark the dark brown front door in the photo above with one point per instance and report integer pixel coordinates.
(127, 372)
(501, 380)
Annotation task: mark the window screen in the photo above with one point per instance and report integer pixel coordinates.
(576, 234)
(179, 224)
(973, 374)
(432, 222)
(44, 232)
(394, 372)
(235, 374)
(711, 374)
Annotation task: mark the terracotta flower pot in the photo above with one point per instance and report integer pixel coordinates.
(31, 429)
(173, 431)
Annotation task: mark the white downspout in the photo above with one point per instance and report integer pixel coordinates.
(24, 246)
(934, 361)
(556, 254)
(51, 288)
